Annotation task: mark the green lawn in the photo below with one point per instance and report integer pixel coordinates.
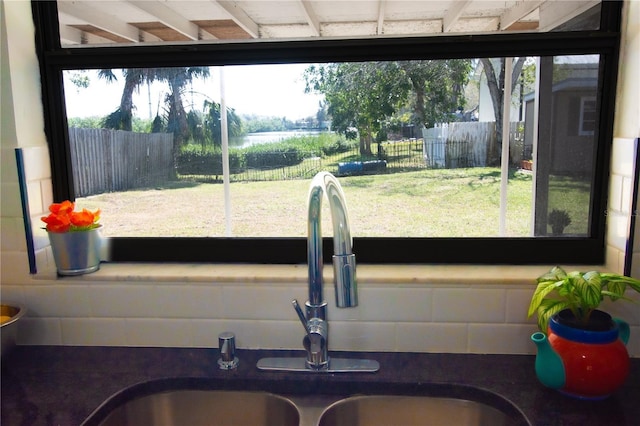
(425, 203)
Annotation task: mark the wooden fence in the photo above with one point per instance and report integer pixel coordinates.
(466, 144)
(114, 160)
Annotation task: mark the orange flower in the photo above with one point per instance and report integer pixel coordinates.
(85, 217)
(64, 208)
(63, 219)
(57, 223)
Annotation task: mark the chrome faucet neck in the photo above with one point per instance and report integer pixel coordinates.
(343, 258)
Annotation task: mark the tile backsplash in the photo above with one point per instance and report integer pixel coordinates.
(188, 309)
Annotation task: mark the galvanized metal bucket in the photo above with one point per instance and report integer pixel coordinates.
(76, 253)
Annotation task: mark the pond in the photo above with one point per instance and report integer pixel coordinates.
(269, 137)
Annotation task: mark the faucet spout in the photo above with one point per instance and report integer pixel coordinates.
(316, 326)
(344, 261)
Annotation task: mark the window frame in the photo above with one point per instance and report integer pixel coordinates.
(55, 59)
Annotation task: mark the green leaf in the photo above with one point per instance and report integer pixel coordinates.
(546, 310)
(616, 289)
(542, 290)
(555, 274)
(589, 290)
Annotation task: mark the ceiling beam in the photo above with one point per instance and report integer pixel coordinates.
(70, 35)
(100, 20)
(382, 4)
(169, 17)
(311, 17)
(240, 17)
(554, 13)
(453, 14)
(519, 11)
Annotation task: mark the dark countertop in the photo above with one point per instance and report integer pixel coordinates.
(63, 385)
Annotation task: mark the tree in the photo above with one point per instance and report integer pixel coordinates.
(213, 126)
(495, 82)
(368, 95)
(437, 88)
(122, 117)
(176, 77)
(359, 95)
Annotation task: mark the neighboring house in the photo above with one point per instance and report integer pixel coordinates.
(571, 138)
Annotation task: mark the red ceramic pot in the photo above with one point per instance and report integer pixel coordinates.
(595, 361)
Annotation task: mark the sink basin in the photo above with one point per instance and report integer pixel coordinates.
(205, 407)
(374, 410)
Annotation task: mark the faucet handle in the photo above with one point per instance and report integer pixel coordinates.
(303, 319)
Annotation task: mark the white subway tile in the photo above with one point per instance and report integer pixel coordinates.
(249, 333)
(431, 337)
(263, 302)
(622, 156)
(40, 236)
(15, 266)
(468, 305)
(501, 338)
(633, 346)
(10, 204)
(36, 163)
(51, 300)
(39, 331)
(615, 193)
(359, 336)
(42, 260)
(93, 331)
(518, 301)
(8, 167)
(617, 230)
(635, 265)
(276, 335)
(627, 195)
(122, 300)
(628, 311)
(12, 294)
(201, 301)
(46, 190)
(205, 332)
(387, 304)
(34, 196)
(158, 332)
(13, 236)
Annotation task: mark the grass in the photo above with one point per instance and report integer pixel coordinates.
(425, 203)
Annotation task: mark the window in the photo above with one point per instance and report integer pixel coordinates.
(423, 170)
(588, 116)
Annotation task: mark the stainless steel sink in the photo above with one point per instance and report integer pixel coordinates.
(378, 410)
(205, 407)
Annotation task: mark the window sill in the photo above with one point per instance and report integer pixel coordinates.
(370, 274)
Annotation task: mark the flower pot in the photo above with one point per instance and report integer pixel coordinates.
(76, 253)
(588, 362)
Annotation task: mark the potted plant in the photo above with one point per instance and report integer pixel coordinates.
(581, 349)
(74, 237)
(559, 219)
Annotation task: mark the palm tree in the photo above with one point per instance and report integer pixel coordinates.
(121, 118)
(178, 79)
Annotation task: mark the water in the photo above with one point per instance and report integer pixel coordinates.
(269, 137)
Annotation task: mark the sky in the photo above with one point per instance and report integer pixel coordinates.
(265, 90)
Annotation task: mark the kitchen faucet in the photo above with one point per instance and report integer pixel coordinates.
(315, 321)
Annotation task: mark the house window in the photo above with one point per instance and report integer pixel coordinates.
(396, 119)
(588, 116)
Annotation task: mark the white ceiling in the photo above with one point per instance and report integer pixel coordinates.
(140, 21)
